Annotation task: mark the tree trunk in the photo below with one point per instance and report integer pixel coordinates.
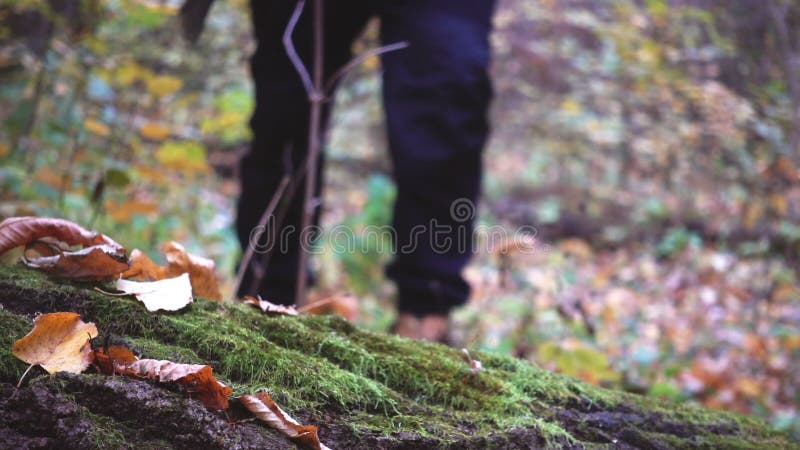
(363, 390)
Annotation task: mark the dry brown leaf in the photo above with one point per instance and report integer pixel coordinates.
(197, 379)
(106, 360)
(17, 231)
(201, 270)
(262, 406)
(269, 307)
(169, 294)
(58, 342)
(99, 262)
(345, 305)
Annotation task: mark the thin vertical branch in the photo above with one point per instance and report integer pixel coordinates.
(314, 131)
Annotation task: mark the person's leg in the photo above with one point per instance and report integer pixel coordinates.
(280, 127)
(436, 94)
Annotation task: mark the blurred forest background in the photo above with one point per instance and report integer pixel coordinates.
(654, 144)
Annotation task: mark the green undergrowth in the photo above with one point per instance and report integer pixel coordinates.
(313, 365)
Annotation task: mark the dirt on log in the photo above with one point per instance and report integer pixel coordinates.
(363, 390)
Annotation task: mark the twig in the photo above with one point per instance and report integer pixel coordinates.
(19, 383)
(317, 91)
(292, 52)
(359, 59)
(248, 255)
(297, 176)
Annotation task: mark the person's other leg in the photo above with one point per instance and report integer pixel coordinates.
(436, 94)
(280, 128)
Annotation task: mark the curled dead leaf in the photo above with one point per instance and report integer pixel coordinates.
(201, 270)
(265, 409)
(170, 294)
(58, 342)
(197, 379)
(98, 262)
(18, 231)
(269, 307)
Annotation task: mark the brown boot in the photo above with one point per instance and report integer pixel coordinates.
(433, 327)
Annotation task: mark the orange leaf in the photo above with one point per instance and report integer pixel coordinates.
(143, 268)
(154, 131)
(57, 343)
(262, 406)
(116, 355)
(196, 379)
(96, 127)
(124, 211)
(201, 270)
(269, 307)
(16, 231)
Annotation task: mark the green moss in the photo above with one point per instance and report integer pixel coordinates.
(14, 327)
(105, 432)
(375, 383)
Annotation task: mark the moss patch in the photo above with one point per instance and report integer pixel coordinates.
(368, 389)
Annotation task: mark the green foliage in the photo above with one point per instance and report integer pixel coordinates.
(578, 362)
(676, 240)
(367, 237)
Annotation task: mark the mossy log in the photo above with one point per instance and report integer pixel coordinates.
(364, 390)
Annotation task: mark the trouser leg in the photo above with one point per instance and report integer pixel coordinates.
(280, 129)
(436, 95)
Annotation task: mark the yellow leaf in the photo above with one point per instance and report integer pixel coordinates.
(96, 127)
(753, 214)
(154, 131)
(571, 107)
(779, 204)
(130, 72)
(187, 156)
(164, 85)
(59, 342)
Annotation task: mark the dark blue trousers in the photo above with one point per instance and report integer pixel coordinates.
(436, 96)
